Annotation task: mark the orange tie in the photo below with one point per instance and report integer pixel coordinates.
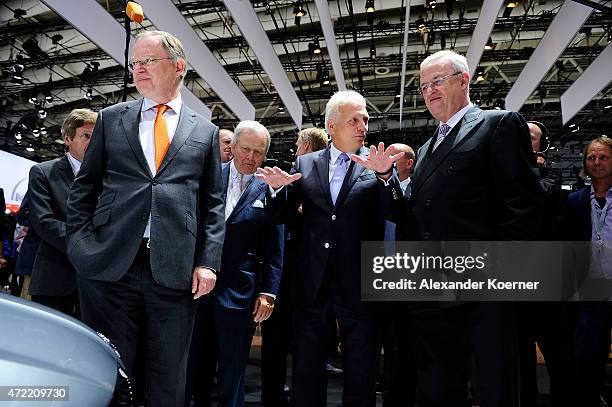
(160, 135)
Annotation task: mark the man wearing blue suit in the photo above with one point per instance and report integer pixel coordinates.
(342, 207)
(251, 261)
(145, 219)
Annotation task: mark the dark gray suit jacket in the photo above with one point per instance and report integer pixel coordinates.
(477, 185)
(52, 273)
(115, 192)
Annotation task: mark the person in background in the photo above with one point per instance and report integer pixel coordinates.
(53, 281)
(225, 144)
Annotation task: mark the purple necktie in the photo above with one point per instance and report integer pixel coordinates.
(336, 182)
(442, 132)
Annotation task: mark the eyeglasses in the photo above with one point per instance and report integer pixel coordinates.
(436, 83)
(148, 61)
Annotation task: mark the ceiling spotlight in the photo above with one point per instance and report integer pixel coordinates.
(19, 140)
(607, 107)
(89, 94)
(420, 23)
(314, 47)
(369, 6)
(33, 100)
(43, 131)
(297, 21)
(480, 74)
(576, 129)
(512, 3)
(572, 125)
(42, 114)
(48, 97)
(298, 9)
(431, 4)
(322, 75)
(35, 132)
(18, 13)
(372, 51)
(18, 136)
(30, 149)
(55, 39)
(489, 45)
(281, 109)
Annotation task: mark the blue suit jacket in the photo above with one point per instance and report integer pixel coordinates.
(252, 256)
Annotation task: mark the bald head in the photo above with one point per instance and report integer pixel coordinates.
(404, 165)
(225, 144)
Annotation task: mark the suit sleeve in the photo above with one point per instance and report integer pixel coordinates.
(211, 228)
(85, 189)
(283, 206)
(273, 259)
(42, 217)
(516, 184)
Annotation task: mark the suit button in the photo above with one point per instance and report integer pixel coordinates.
(426, 235)
(428, 202)
(450, 170)
(326, 245)
(334, 217)
(155, 182)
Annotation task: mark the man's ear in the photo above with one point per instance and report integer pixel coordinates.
(181, 66)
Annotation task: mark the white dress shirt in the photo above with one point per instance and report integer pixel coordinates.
(74, 163)
(148, 113)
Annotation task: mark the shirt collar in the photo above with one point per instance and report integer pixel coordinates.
(608, 194)
(74, 163)
(456, 118)
(335, 153)
(404, 183)
(234, 173)
(174, 104)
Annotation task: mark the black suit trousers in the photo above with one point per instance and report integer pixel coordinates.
(137, 307)
(359, 350)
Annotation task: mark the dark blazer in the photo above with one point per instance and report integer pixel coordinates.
(576, 218)
(29, 246)
(52, 273)
(333, 233)
(253, 249)
(477, 185)
(114, 194)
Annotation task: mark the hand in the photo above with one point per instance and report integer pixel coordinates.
(379, 160)
(3, 262)
(275, 177)
(264, 305)
(541, 161)
(203, 281)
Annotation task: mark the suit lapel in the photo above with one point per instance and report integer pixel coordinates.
(225, 170)
(459, 133)
(248, 196)
(321, 165)
(185, 126)
(130, 119)
(66, 171)
(354, 171)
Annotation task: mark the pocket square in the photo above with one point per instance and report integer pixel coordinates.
(257, 204)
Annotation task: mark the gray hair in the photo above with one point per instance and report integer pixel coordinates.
(458, 61)
(338, 99)
(171, 44)
(253, 127)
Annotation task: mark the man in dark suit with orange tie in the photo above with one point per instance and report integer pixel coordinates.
(145, 219)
